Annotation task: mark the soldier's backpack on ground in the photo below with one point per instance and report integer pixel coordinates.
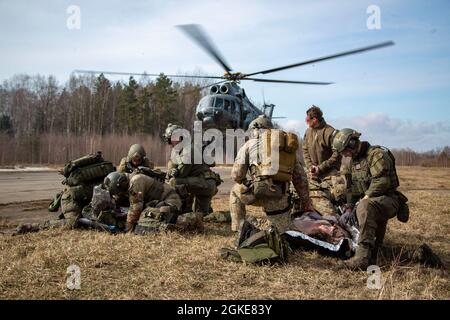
(258, 246)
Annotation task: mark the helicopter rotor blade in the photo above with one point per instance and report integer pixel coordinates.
(196, 33)
(337, 55)
(145, 74)
(288, 81)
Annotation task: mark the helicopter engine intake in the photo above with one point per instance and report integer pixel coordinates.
(224, 89)
(214, 89)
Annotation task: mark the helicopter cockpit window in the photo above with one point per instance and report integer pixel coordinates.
(218, 103)
(233, 107)
(226, 105)
(205, 102)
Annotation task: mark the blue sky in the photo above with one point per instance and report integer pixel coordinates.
(398, 96)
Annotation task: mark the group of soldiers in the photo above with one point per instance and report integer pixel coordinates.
(368, 185)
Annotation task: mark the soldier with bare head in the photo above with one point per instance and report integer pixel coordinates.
(321, 161)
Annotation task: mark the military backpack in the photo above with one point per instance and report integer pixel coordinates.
(88, 168)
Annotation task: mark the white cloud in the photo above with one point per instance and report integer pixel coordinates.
(381, 129)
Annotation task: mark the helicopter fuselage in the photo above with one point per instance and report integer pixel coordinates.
(226, 106)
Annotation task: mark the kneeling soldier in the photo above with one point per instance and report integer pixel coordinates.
(267, 189)
(372, 180)
(196, 180)
(141, 191)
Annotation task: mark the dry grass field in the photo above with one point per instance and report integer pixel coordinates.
(180, 266)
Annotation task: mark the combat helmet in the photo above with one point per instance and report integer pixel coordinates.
(261, 122)
(345, 138)
(169, 131)
(116, 182)
(137, 151)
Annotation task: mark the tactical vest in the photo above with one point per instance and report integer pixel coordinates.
(360, 171)
(274, 155)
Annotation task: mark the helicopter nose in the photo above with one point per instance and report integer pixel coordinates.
(208, 121)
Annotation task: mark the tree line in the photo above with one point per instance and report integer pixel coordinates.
(44, 122)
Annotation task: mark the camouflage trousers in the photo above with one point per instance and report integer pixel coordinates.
(73, 200)
(325, 193)
(200, 189)
(373, 215)
(277, 210)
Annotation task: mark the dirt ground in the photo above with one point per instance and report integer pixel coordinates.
(188, 266)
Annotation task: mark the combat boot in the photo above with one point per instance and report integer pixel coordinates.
(403, 215)
(360, 261)
(26, 228)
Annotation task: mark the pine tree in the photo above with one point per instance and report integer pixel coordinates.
(164, 98)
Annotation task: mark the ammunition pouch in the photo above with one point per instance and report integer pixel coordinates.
(264, 188)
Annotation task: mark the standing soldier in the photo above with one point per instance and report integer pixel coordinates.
(266, 190)
(196, 180)
(141, 191)
(320, 160)
(372, 179)
(136, 158)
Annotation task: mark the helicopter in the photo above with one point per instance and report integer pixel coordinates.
(226, 105)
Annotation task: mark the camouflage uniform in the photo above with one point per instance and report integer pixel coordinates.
(317, 151)
(277, 209)
(126, 165)
(144, 191)
(73, 200)
(374, 182)
(197, 180)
